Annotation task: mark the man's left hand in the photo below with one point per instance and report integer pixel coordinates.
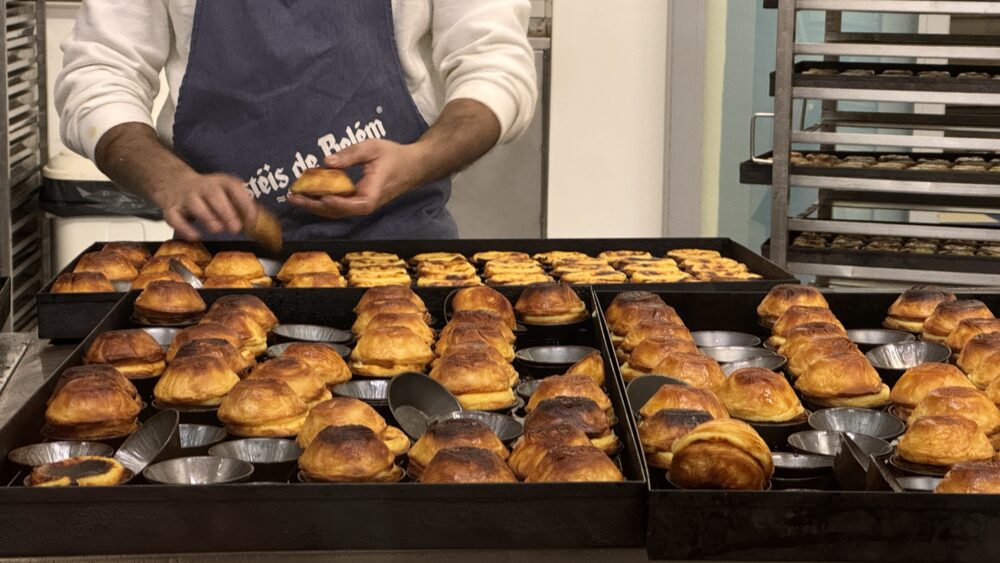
(390, 170)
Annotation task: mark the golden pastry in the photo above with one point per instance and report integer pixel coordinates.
(309, 262)
(658, 432)
(228, 282)
(468, 333)
(476, 380)
(298, 375)
(317, 280)
(253, 338)
(324, 361)
(782, 297)
(591, 365)
(240, 265)
(976, 350)
(345, 411)
(389, 351)
(169, 302)
(205, 331)
(760, 395)
(568, 386)
(196, 251)
(912, 308)
(218, 348)
(365, 315)
(693, 369)
(134, 353)
(450, 433)
(972, 477)
(575, 464)
(948, 314)
(652, 329)
(263, 408)
(135, 252)
(967, 329)
(113, 265)
(532, 446)
(484, 299)
(550, 305)
(944, 440)
(161, 265)
(247, 304)
(349, 454)
(961, 401)
(650, 352)
(721, 454)
(681, 397)
(478, 319)
(321, 182)
(918, 381)
(463, 464)
(91, 408)
(83, 282)
(80, 471)
(196, 381)
(798, 315)
(579, 412)
(843, 380)
(143, 280)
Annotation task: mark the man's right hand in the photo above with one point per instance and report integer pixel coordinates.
(216, 202)
(134, 158)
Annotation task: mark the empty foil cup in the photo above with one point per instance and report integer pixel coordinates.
(199, 470)
(311, 333)
(51, 452)
(877, 424)
(892, 360)
(196, 439)
(729, 354)
(274, 459)
(827, 443)
(868, 338)
(720, 338)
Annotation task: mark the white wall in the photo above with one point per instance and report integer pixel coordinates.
(607, 119)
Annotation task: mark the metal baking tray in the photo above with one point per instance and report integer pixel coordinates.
(880, 259)
(904, 83)
(812, 526)
(759, 173)
(73, 316)
(147, 519)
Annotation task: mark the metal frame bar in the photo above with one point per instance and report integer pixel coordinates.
(785, 61)
(915, 141)
(896, 186)
(905, 96)
(894, 229)
(904, 6)
(890, 50)
(846, 271)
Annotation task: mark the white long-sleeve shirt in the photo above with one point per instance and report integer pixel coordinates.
(448, 49)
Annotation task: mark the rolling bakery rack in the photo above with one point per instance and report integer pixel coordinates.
(969, 126)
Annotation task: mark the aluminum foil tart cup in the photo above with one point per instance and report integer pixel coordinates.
(190, 415)
(156, 440)
(827, 443)
(917, 469)
(776, 434)
(162, 335)
(892, 360)
(199, 470)
(869, 338)
(772, 362)
(51, 452)
(723, 338)
(795, 465)
(423, 394)
(878, 424)
(274, 459)
(197, 439)
(542, 361)
(919, 484)
(730, 354)
(311, 333)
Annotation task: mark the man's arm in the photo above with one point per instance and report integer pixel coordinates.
(465, 131)
(133, 157)
(481, 51)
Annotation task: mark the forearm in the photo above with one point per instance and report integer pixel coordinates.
(135, 159)
(465, 131)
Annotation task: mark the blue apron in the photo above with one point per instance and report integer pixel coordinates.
(272, 87)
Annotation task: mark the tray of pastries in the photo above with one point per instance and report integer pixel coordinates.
(305, 410)
(905, 253)
(72, 303)
(968, 168)
(895, 76)
(863, 408)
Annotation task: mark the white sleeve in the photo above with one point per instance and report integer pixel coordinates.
(111, 67)
(481, 49)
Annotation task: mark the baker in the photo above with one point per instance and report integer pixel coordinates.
(400, 93)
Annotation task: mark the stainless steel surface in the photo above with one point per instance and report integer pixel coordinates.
(889, 50)
(846, 271)
(944, 189)
(894, 229)
(783, 107)
(503, 195)
(186, 274)
(915, 141)
(867, 422)
(13, 347)
(904, 6)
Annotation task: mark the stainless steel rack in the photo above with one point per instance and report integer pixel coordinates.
(23, 154)
(923, 132)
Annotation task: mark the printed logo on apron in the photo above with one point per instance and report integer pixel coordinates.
(271, 88)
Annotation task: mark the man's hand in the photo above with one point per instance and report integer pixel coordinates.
(390, 170)
(218, 202)
(134, 158)
(465, 131)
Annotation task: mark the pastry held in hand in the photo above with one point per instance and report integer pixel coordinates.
(319, 182)
(265, 229)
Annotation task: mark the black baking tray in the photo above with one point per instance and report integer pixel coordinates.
(813, 526)
(897, 260)
(73, 316)
(760, 173)
(147, 519)
(905, 83)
